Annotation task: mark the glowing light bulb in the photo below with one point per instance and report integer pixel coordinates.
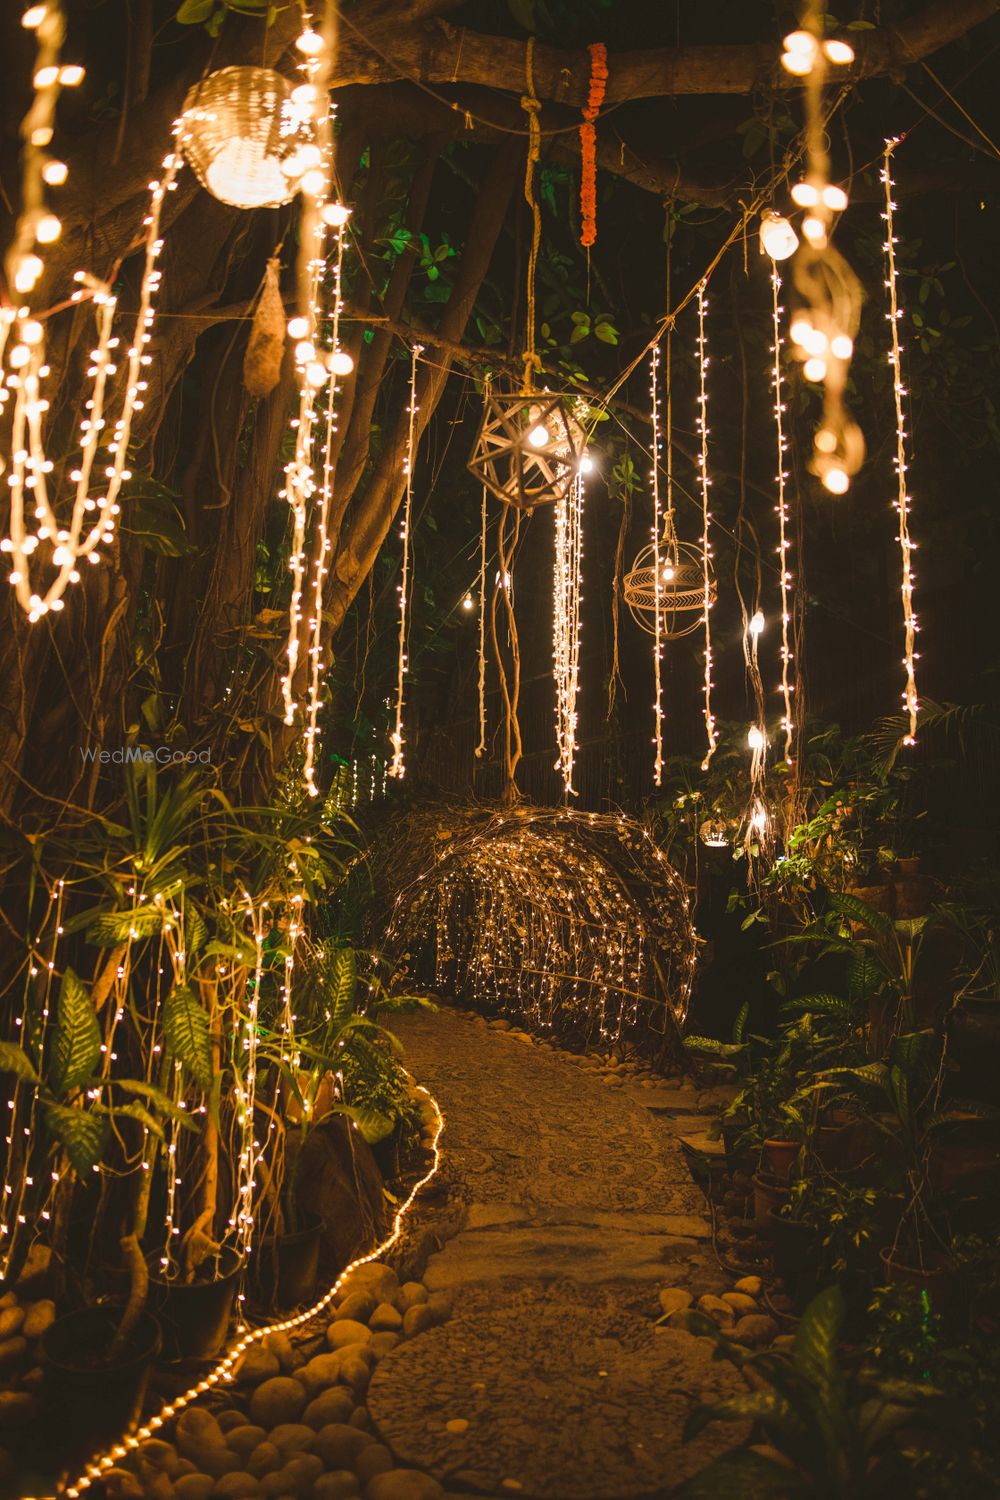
(45, 77)
(800, 54)
(538, 436)
(19, 356)
(777, 237)
(826, 441)
(840, 53)
(756, 625)
(468, 602)
(836, 480)
(316, 374)
(669, 573)
(313, 181)
(31, 331)
(55, 173)
(309, 43)
(805, 195)
(336, 214)
(305, 350)
(305, 95)
(799, 331)
(27, 273)
(48, 229)
(586, 465)
(842, 346)
(34, 16)
(814, 369)
(298, 328)
(814, 229)
(340, 362)
(755, 738)
(71, 75)
(835, 198)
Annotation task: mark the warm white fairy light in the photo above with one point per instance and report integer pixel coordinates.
(37, 537)
(566, 584)
(902, 502)
(781, 479)
(823, 329)
(706, 516)
(658, 579)
(311, 366)
(481, 746)
(224, 1370)
(397, 766)
(338, 363)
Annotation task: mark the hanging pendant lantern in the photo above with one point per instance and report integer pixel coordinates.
(681, 591)
(246, 136)
(530, 447)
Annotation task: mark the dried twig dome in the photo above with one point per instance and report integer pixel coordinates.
(243, 133)
(681, 591)
(529, 447)
(574, 921)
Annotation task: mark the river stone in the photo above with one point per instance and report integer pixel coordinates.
(122, 1484)
(418, 1319)
(358, 1306)
(347, 1331)
(11, 1320)
(374, 1280)
(12, 1350)
(385, 1319)
(292, 1437)
(404, 1484)
(244, 1440)
(375, 1459)
(673, 1298)
(356, 1372)
(570, 1398)
(755, 1328)
(751, 1286)
(258, 1364)
(381, 1343)
(720, 1312)
(231, 1417)
(340, 1484)
(740, 1302)
(281, 1346)
(410, 1294)
(196, 1426)
(332, 1405)
(279, 1400)
(300, 1472)
(238, 1486)
(339, 1444)
(193, 1486)
(265, 1459)
(38, 1316)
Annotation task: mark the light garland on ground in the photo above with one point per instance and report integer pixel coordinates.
(781, 479)
(657, 568)
(338, 362)
(98, 1468)
(706, 551)
(566, 585)
(824, 325)
(44, 539)
(397, 767)
(911, 703)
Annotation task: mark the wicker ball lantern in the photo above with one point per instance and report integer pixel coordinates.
(529, 448)
(243, 133)
(681, 591)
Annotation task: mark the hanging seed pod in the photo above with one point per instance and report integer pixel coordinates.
(266, 345)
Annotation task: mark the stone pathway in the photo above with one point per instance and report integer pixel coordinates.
(568, 1205)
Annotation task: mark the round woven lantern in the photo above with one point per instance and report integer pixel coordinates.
(681, 591)
(243, 133)
(529, 448)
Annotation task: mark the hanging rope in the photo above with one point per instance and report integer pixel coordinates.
(531, 105)
(481, 747)
(588, 143)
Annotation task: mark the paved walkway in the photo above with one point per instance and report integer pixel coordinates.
(568, 1206)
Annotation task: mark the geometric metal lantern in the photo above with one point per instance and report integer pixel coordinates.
(244, 135)
(681, 591)
(529, 447)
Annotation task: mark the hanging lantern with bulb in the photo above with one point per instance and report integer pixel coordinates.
(248, 135)
(777, 237)
(681, 591)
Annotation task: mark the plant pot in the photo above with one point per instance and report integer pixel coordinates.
(769, 1192)
(195, 1316)
(782, 1156)
(89, 1401)
(908, 866)
(935, 1278)
(287, 1265)
(792, 1243)
(878, 897)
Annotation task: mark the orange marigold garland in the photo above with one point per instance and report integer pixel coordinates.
(588, 142)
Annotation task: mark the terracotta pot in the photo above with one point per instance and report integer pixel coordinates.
(769, 1192)
(935, 1278)
(792, 1243)
(782, 1156)
(909, 866)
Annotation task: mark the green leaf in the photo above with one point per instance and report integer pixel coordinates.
(81, 1134)
(606, 333)
(373, 1125)
(342, 973)
(157, 1098)
(859, 911)
(816, 1343)
(830, 1005)
(194, 12)
(767, 1407)
(195, 931)
(76, 1044)
(137, 1111)
(741, 1475)
(13, 1059)
(185, 1030)
(114, 927)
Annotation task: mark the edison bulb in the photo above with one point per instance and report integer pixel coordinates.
(842, 346)
(55, 173)
(336, 214)
(586, 464)
(310, 43)
(756, 625)
(841, 53)
(340, 362)
(538, 436)
(835, 198)
(755, 738)
(468, 602)
(298, 328)
(777, 237)
(814, 369)
(836, 480)
(805, 195)
(48, 229)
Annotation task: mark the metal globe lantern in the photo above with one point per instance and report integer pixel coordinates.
(681, 591)
(242, 132)
(529, 447)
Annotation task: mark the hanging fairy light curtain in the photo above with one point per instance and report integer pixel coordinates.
(481, 745)
(566, 585)
(704, 482)
(45, 545)
(911, 703)
(784, 545)
(397, 767)
(826, 319)
(530, 444)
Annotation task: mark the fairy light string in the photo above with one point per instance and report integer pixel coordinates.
(397, 767)
(704, 483)
(902, 502)
(654, 366)
(224, 1370)
(784, 545)
(481, 746)
(567, 582)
